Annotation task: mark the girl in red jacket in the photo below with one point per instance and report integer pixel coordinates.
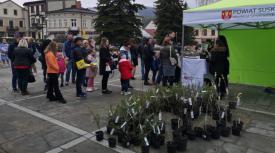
(125, 69)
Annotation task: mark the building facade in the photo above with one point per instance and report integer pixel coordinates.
(76, 20)
(202, 35)
(12, 19)
(36, 18)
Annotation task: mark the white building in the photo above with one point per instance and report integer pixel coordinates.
(76, 20)
(12, 18)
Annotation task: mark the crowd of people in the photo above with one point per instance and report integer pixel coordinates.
(76, 60)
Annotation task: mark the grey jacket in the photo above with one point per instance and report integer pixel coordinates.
(165, 55)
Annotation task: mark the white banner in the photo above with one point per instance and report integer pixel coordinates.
(234, 15)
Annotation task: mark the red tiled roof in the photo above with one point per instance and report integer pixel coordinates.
(152, 32)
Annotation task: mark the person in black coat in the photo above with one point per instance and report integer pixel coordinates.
(219, 65)
(23, 58)
(134, 55)
(79, 53)
(105, 64)
(42, 60)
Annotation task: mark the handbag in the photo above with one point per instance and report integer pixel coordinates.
(108, 68)
(173, 61)
(31, 78)
(82, 65)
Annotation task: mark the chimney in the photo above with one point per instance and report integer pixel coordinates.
(78, 4)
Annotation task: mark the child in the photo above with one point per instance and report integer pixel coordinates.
(125, 69)
(62, 66)
(91, 71)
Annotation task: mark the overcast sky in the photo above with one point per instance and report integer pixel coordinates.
(92, 3)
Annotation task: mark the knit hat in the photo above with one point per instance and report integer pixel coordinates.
(123, 56)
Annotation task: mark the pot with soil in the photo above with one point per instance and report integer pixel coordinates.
(198, 131)
(145, 149)
(99, 135)
(225, 131)
(236, 131)
(171, 147)
(216, 133)
(112, 142)
(125, 142)
(238, 124)
(181, 143)
(206, 135)
(156, 141)
(174, 124)
(191, 134)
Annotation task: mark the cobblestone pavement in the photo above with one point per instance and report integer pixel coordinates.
(33, 125)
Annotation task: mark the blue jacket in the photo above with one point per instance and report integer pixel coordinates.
(67, 48)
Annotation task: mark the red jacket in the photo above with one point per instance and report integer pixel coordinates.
(125, 69)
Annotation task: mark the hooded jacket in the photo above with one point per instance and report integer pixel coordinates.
(125, 69)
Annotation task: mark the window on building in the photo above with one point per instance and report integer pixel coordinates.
(204, 32)
(196, 33)
(84, 23)
(15, 12)
(213, 32)
(65, 23)
(1, 23)
(60, 23)
(32, 20)
(54, 23)
(21, 24)
(37, 9)
(6, 11)
(38, 20)
(73, 22)
(10, 23)
(32, 9)
(43, 8)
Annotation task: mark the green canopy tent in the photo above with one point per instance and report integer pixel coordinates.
(249, 26)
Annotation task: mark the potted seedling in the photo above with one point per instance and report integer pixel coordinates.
(99, 133)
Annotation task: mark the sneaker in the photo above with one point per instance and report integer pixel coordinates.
(122, 92)
(127, 93)
(25, 93)
(147, 84)
(133, 78)
(106, 92)
(62, 85)
(82, 95)
(15, 90)
(89, 89)
(67, 83)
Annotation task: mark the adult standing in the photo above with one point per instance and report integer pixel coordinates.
(79, 53)
(167, 53)
(4, 52)
(22, 58)
(34, 48)
(134, 55)
(53, 93)
(67, 51)
(219, 65)
(147, 56)
(18, 36)
(105, 64)
(42, 60)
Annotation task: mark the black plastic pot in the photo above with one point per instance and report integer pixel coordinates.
(236, 131)
(216, 133)
(99, 135)
(156, 142)
(206, 135)
(112, 142)
(181, 143)
(198, 131)
(176, 134)
(171, 147)
(225, 131)
(237, 124)
(216, 116)
(191, 135)
(232, 105)
(174, 124)
(125, 142)
(135, 140)
(145, 149)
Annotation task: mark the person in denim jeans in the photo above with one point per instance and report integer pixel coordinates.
(18, 37)
(67, 51)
